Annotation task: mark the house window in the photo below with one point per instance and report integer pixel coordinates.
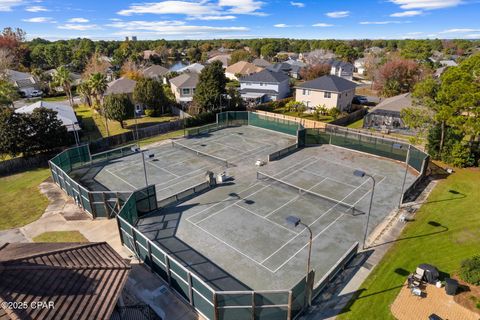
(306, 92)
(327, 95)
(185, 91)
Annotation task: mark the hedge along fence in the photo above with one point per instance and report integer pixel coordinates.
(98, 204)
(350, 118)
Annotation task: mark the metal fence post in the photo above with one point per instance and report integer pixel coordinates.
(289, 310)
(190, 289)
(167, 266)
(215, 307)
(253, 305)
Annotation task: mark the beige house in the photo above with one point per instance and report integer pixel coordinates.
(242, 68)
(329, 91)
(183, 86)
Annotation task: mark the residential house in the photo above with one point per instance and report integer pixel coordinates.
(262, 63)
(223, 58)
(448, 63)
(24, 82)
(183, 86)
(292, 70)
(386, 116)
(76, 79)
(265, 86)
(79, 281)
(329, 91)
(64, 111)
(241, 68)
(149, 54)
(193, 68)
(341, 69)
(156, 72)
(359, 67)
(124, 86)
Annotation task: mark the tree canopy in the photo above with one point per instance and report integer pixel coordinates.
(118, 107)
(210, 87)
(150, 93)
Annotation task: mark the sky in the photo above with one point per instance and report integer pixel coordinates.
(209, 19)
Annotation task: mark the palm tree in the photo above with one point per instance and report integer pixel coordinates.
(85, 91)
(98, 84)
(63, 78)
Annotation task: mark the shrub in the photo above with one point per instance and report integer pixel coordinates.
(461, 155)
(150, 112)
(470, 270)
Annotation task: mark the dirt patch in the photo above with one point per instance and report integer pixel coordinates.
(468, 296)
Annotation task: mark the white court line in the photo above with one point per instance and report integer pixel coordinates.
(264, 218)
(231, 205)
(185, 175)
(165, 170)
(316, 236)
(213, 205)
(294, 199)
(319, 175)
(321, 216)
(290, 167)
(232, 247)
(113, 174)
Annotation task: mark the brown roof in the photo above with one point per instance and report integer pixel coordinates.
(243, 68)
(83, 280)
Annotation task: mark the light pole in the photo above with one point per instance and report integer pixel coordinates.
(75, 133)
(407, 159)
(150, 155)
(296, 221)
(361, 174)
(135, 119)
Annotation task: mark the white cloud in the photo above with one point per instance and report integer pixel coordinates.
(197, 8)
(323, 25)
(36, 9)
(164, 27)
(40, 20)
(7, 5)
(473, 36)
(464, 30)
(426, 4)
(338, 14)
(78, 20)
(409, 13)
(383, 22)
(212, 18)
(297, 4)
(283, 25)
(78, 27)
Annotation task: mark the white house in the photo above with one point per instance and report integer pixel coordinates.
(341, 69)
(241, 68)
(24, 82)
(64, 111)
(359, 67)
(328, 91)
(265, 86)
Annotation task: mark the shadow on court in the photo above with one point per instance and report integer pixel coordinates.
(161, 227)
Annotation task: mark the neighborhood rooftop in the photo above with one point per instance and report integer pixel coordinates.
(265, 76)
(83, 280)
(328, 83)
(189, 79)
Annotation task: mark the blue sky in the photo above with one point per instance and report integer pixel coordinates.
(206, 19)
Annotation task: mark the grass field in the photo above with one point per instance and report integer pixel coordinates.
(446, 231)
(21, 202)
(94, 123)
(356, 125)
(60, 236)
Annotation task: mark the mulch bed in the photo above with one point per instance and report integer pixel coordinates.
(468, 296)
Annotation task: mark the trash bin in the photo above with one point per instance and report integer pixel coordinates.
(451, 286)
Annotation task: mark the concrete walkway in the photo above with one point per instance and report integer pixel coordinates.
(345, 286)
(63, 215)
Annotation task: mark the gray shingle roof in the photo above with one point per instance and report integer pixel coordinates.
(328, 83)
(185, 80)
(122, 85)
(259, 62)
(265, 76)
(83, 280)
(155, 71)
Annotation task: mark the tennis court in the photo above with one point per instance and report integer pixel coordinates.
(182, 164)
(236, 237)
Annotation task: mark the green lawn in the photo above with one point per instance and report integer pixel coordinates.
(61, 236)
(356, 125)
(21, 202)
(446, 231)
(94, 123)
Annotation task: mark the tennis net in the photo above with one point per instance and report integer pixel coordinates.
(304, 192)
(222, 161)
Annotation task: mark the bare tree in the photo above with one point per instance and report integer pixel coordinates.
(6, 61)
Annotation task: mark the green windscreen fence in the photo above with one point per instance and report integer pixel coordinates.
(369, 144)
(232, 118)
(275, 124)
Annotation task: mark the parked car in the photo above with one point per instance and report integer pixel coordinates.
(36, 93)
(360, 100)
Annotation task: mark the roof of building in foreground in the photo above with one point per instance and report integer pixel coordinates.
(82, 280)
